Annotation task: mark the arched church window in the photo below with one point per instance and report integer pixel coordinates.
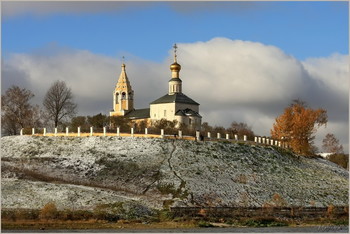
(116, 98)
(123, 95)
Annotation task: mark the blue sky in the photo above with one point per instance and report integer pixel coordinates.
(242, 61)
(147, 30)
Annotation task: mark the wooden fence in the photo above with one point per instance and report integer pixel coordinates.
(286, 212)
(162, 134)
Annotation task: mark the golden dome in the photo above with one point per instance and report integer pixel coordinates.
(175, 67)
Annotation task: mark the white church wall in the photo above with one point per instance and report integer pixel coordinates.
(162, 111)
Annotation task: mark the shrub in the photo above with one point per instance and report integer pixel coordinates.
(109, 212)
(8, 214)
(330, 210)
(25, 214)
(68, 214)
(164, 215)
(202, 212)
(49, 211)
(278, 200)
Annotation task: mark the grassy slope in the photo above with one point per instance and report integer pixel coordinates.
(156, 173)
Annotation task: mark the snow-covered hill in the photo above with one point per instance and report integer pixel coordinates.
(83, 172)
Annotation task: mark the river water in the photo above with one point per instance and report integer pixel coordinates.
(314, 229)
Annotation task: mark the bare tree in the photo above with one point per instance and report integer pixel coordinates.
(330, 144)
(241, 129)
(17, 112)
(58, 102)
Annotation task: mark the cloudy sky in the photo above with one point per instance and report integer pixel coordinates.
(242, 61)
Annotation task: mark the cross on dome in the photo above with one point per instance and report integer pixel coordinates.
(175, 67)
(175, 49)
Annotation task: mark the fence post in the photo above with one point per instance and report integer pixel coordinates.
(244, 138)
(78, 131)
(180, 134)
(271, 142)
(104, 131)
(91, 130)
(21, 132)
(146, 131)
(132, 132)
(44, 132)
(267, 141)
(33, 131)
(236, 137)
(276, 143)
(255, 139)
(218, 135)
(198, 135)
(162, 133)
(279, 144)
(67, 131)
(118, 131)
(259, 140)
(227, 136)
(263, 140)
(55, 131)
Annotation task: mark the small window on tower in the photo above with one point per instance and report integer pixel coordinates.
(117, 98)
(189, 121)
(123, 95)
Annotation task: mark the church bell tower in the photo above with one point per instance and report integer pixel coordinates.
(123, 95)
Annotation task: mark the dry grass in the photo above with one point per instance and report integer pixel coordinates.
(92, 224)
(35, 176)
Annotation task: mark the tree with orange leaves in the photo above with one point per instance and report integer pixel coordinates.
(297, 126)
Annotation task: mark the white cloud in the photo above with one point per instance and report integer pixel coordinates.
(232, 80)
(333, 72)
(242, 72)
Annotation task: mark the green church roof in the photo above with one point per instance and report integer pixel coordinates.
(176, 98)
(139, 114)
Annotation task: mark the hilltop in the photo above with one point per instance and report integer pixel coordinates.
(82, 172)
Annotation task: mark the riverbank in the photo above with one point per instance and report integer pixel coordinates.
(186, 225)
(93, 224)
(312, 229)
